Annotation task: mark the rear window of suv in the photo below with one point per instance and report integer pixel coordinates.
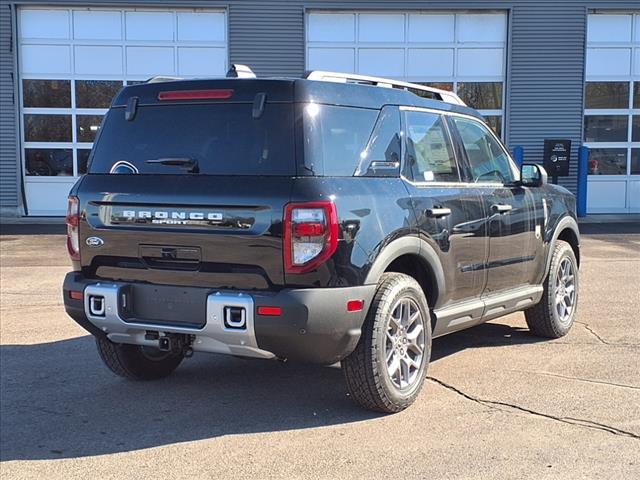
(224, 139)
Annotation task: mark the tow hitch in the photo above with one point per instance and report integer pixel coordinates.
(172, 342)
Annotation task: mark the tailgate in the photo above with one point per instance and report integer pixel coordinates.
(195, 230)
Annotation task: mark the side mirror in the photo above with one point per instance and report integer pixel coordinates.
(533, 175)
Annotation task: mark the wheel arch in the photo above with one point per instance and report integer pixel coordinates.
(416, 258)
(566, 230)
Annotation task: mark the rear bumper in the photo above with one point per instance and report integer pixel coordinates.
(313, 326)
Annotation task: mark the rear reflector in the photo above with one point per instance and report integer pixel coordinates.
(355, 305)
(73, 228)
(308, 229)
(270, 311)
(195, 94)
(74, 295)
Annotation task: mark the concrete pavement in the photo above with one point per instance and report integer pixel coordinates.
(499, 402)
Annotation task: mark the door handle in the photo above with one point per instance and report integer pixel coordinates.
(438, 212)
(501, 207)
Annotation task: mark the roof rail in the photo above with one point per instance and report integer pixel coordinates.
(438, 94)
(163, 78)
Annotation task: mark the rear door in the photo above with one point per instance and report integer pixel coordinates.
(204, 206)
(449, 213)
(508, 208)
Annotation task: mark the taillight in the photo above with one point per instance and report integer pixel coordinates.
(73, 223)
(310, 235)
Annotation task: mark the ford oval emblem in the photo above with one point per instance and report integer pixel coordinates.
(95, 242)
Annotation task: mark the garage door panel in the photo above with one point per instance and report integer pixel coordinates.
(460, 51)
(45, 59)
(480, 62)
(609, 28)
(482, 27)
(381, 28)
(149, 26)
(337, 27)
(50, 24)
(201, 26)
(431, 62)
(154, 60)
(429, 28)
(608, 61)
(199, 61)
(606, 196)
(97, 25)
(381, 61)
(48, 198)
(338, 59)
(100, 60)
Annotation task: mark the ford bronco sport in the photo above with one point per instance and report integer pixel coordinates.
(332, 218)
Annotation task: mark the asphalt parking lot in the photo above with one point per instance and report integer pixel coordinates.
(499, 402)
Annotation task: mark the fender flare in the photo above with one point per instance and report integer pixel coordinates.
(408, 246)
(564, 223)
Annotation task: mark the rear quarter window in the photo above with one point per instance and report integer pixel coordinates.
(335, 137)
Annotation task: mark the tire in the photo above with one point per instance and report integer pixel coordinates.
(556, 312)
(366, 370)
(135, 362)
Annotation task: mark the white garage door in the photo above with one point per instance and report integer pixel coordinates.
(72, 62)
(612, 113)
(463, 52)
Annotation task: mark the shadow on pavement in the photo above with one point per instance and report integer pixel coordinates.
(33, 229)
(623, 228)
(59, 401)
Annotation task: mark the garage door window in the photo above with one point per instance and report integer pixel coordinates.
(461, 52)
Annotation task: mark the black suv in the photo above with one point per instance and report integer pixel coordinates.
(324, 219)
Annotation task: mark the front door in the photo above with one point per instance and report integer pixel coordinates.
(508, 208)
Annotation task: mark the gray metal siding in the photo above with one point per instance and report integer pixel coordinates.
(546, 79)
(268, 36)
(9, 172)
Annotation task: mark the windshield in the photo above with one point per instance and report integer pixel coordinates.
(222, 139)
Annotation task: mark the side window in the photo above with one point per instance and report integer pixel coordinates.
(430, 156)
(487, 159)
(381, 157)
(334, 137)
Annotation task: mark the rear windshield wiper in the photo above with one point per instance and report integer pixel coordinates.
(190, 164)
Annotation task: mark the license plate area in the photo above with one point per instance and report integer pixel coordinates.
(163, 305)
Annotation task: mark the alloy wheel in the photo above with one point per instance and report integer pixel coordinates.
(404, 343)
(565, 290)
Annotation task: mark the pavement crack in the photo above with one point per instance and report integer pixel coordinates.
(593, 332)
(578, 379)
(567, 420)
